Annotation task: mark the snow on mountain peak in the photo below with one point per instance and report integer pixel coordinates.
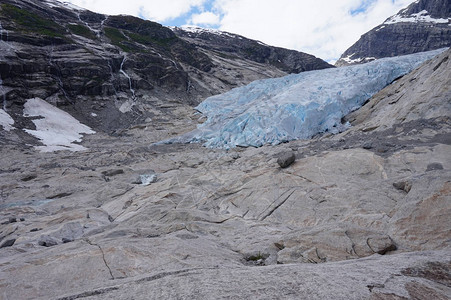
(423, 17)
(65, 4)
(198, 30)
(296, 106)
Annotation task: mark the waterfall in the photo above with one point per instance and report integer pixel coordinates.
(164, 58)
(101, 26)
(2, 90)
(127, 76)
(3, 32)
(87, 25)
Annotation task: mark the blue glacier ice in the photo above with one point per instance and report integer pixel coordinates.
(296, 106)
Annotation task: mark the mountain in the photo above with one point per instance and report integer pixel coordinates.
(363, 214)
(424, 25)
(94, 206)
(214, 41)
(111, 72)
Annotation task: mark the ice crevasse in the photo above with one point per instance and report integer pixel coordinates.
(297, 106)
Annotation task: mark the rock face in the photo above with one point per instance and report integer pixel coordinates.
(424, 25)
(111, 72)
(239, 47)
(359, 215)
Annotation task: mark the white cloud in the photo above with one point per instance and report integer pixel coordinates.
(321, 27)
(325, 28)
(155, 10)
(205, 18)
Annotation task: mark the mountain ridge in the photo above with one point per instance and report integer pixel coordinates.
(424, 25)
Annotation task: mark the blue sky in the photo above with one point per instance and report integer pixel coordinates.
(324, 28)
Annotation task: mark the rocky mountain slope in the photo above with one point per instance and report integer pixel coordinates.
(214, 41)
(424, 25)
(114, 71)
(359, 215)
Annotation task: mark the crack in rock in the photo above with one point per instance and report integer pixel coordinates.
(276, 207)
(103, 258)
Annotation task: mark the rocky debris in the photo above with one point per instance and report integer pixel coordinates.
(403, 186)
(367, 145)
(256, 259)
(67, 240)
(434, 166)
(286, 159)
(326, 243)
(10, 220)
(112, 172)
(422, 26)
(381, 245)
(47, 241)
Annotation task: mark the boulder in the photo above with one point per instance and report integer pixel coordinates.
(286, 159)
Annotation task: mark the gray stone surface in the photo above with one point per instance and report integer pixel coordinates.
(231, 224)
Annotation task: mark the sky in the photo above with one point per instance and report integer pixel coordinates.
(324, 28)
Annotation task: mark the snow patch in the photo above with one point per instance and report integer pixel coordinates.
(57, 129)
(421, 17)
(296, 106)
(348, 59)
(6, 121)
(198, 30)
(65, 4)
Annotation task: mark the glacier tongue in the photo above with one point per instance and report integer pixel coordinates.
(296, 106)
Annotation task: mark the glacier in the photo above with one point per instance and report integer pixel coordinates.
(297, 106)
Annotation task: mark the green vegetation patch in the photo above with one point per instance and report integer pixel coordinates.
(124, 39)
(147, 40)
(117, 38)
(81, 31)
(31, 22)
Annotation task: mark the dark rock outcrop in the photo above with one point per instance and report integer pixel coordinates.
(8, 243)
(422, 26)
(286, 159)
